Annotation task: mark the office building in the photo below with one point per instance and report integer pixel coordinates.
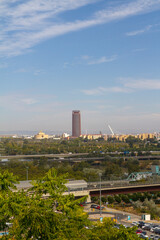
(76, 123)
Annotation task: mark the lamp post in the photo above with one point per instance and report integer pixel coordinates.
(100, 175)
(27, 173)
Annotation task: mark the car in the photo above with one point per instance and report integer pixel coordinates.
(139, 231)
(156, 237)
(141, 224)
(98, 207)
(146, 227)
(116, 225)
(81, 205)
(134, 223)
(151, 236)
(126, 226)
(94, 205)
(157, 230)
(153, 228)
(144, 236)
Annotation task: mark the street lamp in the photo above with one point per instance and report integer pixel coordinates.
(27, 173)
(100, 175)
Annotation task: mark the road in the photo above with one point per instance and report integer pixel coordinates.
(60, 156)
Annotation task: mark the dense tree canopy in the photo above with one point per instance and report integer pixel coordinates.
(45, 212)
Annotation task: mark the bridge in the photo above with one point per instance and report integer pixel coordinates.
(81, 188)
(118, 187)
(125, 189)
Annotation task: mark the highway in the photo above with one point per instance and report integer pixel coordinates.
(61, 156)
(83, 156)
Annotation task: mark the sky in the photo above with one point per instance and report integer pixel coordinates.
(101, 57)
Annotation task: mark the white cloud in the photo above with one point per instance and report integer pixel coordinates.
(23, 103)
(16, 102)
(138, 50)
(103, 90)
(26, 23)
(128, 85)
(29, 101)
(101, 60)
(142, 84)
(138, 32)
(89, 60)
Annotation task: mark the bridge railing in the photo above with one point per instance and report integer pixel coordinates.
(114, 184)
(122, 184)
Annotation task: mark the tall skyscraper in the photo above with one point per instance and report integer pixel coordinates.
(76, 123)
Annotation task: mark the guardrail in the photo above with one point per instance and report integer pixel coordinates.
(115, 185)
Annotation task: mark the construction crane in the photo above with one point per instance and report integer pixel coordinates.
(111, 130)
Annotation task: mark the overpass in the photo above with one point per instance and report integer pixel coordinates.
(125, 189)
(81, 188)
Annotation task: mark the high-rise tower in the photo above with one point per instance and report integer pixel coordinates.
(76, 123)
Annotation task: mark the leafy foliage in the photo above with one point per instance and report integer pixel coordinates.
(45, 212)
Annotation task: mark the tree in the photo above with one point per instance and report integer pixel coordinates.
(7, 181)
(41, 218)
(47, 213)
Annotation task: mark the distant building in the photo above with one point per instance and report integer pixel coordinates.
(76, 123)
(65, 135)
(41, 135)
(144, 136)
(92, 136)
(141, 136)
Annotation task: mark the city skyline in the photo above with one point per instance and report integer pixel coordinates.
(101, 57)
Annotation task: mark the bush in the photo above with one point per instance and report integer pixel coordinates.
(94, 199)
(110, 199)
(125, 199)
(104, 199)
(117, 198)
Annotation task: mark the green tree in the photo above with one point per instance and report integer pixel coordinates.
(46, 212)
(7, 181)
(41, 218)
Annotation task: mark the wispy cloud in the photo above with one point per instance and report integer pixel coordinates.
(103, 90)
(92, 61)
(26, 23)
(138, 50)
(17, 101)
(138, 32)
(141, 84)
(29, 101)
(127, 85)
(24, 103)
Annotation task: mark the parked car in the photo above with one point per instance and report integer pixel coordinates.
(98, 207)
(146, 227)
(151, 236)
(134, 223)
(94, 205)
(141, 223)
(156, 237)
(156, 230)
(139, 231)
(144, 236)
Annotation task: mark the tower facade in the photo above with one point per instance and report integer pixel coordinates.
(76, 123)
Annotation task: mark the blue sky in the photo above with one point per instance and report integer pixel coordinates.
(100, 57)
